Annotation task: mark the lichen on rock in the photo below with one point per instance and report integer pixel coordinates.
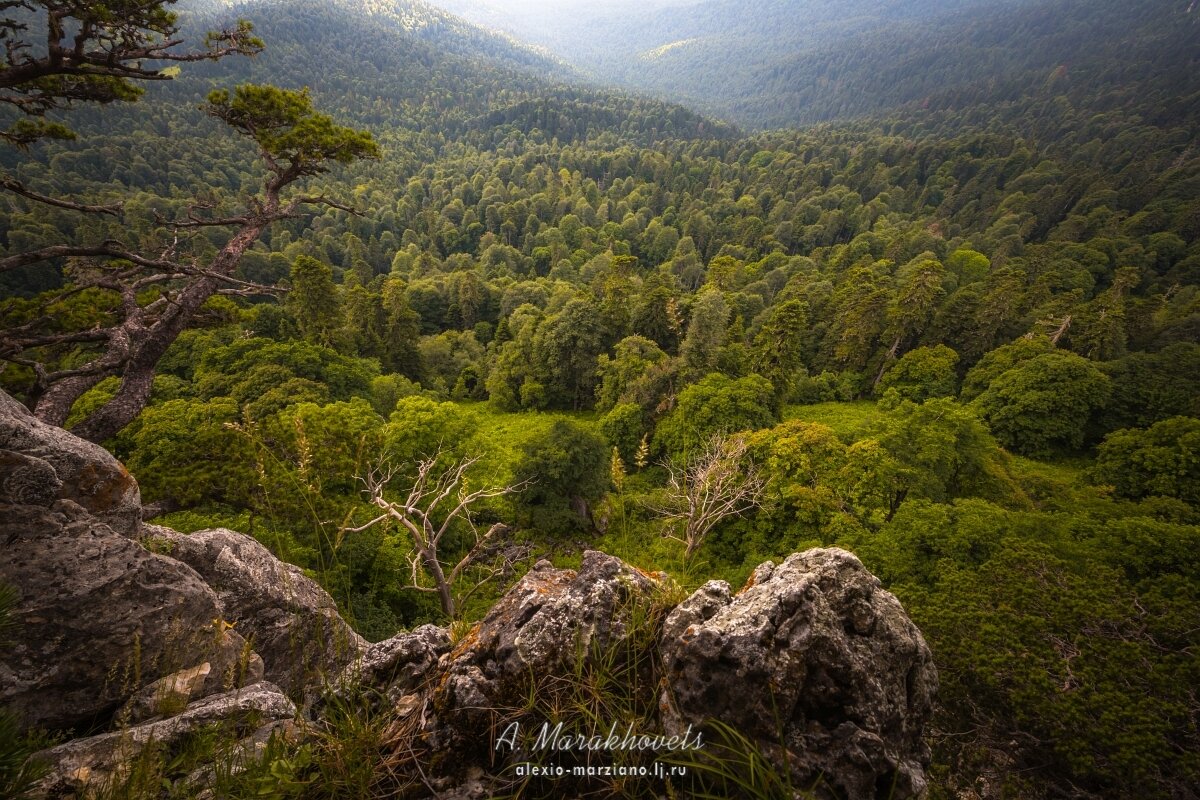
(291, 621)
(88, 474)
(815, 661)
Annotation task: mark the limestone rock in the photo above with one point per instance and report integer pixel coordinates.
(96, 760)
(553, 615)
(171, 694)
(396, 666)
(550, 618)
(27, 480)
(813, 654)
(98, 617)
(90, 476)
(289, 619)
(542, 627)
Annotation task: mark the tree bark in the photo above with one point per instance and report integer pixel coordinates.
(434, 567)
(140, 341)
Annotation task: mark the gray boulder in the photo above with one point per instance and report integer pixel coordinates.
(171, 694)
(99, 617)
(89, 475)
(548, 621)
(288, 618)
(815, 655)
(89, 764)
(552, 617)
(397, 666)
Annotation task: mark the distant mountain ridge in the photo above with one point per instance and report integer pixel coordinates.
(782, 63)
(418, 19)
(421, 79)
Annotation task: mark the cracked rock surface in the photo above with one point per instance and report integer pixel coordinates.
(813, 654)
(98, 617)
(292, 623)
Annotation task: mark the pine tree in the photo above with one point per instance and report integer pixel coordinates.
(313, 301)
(706, 333)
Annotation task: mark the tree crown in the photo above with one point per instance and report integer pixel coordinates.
(294, 138)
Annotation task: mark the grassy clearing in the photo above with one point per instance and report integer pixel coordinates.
(850, 421)
(502, 434)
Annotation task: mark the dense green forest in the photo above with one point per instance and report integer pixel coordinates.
(960, 337)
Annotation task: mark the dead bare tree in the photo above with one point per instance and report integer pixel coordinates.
(714, 485)
(437, 498)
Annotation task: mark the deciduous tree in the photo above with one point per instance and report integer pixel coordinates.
(1044, 403)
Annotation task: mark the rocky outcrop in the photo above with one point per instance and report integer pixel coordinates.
(814, 663)
(98, 760)
(552, 617)
(813, 655)
(98, 617)
(289, 619)
(549, 621)
(109, 629)
(87, 473)
(113, 634)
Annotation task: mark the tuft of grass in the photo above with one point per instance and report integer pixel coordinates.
(346, 750)
(607, 685)
(338, 759)
(731, 765)
(19, 771)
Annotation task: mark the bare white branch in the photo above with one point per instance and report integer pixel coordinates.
(712, 486)
(419, 516)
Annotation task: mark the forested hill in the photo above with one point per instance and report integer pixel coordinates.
(1016, 52)
(416, 76)
(419, 20)
(405, 64)
(777, 63)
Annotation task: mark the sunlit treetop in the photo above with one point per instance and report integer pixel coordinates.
(295, 140)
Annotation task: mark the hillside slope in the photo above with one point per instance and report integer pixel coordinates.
(773, 63)
(422, 21)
